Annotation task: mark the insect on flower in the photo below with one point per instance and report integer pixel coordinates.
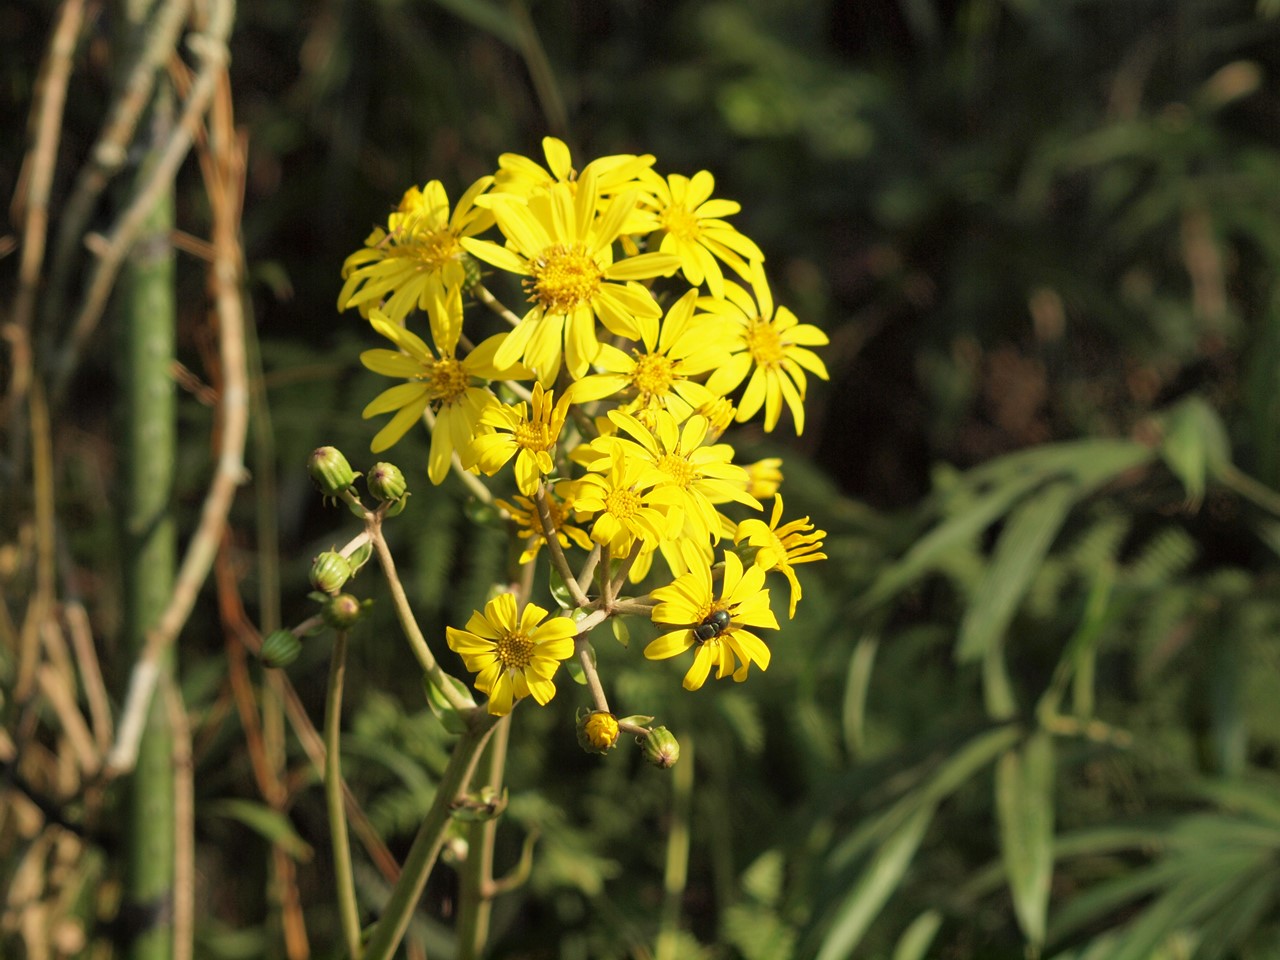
(714, 624)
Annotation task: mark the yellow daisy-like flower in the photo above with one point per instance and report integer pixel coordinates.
(660, 378)
(513, 656)
(520, 176)
(782, 547)
(524, 513)
(622, 507)
(717, 627)
(687, 476)
(563, 248)
(418, 255)
(774, 344)
(443, 383)
(693, 228)
(529, 437)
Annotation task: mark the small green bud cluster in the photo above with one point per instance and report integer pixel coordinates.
(330, 571)
(330, 471)
(279, 648)
(660, 747)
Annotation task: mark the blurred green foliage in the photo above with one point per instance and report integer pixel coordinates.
(1032, 701)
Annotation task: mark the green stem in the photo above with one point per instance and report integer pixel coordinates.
(475, 898)
(148, 319)
(409, 624)
(557, 552)
(391, 926)
(348, 910)
(676, 874)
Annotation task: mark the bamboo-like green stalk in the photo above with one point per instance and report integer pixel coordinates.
(147, 323)
(344, 878)
(676, 874)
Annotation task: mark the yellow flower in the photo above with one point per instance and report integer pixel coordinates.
(659, 378)
(694, 617)
(513, 656)
(442, 383)
(524, 513)
(418, 255)
(687, 476)
(622, 507)
(693, 229)
(764, 477)
(519, 176)
(563, 248)
(773, 344)
(780, 548)
(529, 437)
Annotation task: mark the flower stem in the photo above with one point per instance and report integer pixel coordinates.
(413, 633)
(391, 926)
(676, 873)
(475, 898)
(344, 878)
(557, 552)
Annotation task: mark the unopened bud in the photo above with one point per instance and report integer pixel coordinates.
(342, 611)
(330, 471)
(660, 747)
(330, 571)
(279, 648)
(470, 272)
(597, 732)
(386, 482)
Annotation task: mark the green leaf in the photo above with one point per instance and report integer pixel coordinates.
(1018, 554)
(359, 557)
(620, 631)
(561, 592)
(916, 939)
(440, 706)
(857, 683)
(874, 887)
(270, 824)
(1024, 809)
(1195, 446)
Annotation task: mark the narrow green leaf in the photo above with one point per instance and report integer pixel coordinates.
(916, 939)
(1018, 554)
(448, 717)
(1195, 445)
(855, 691)
(1024, 809)
(560, 592)
(264, 821)
(882, 876)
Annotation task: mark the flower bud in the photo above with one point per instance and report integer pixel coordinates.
(660, 747)
(597, 732)
(470, 272)
(764, 477)
(342, 611)
(279, 648)
(386, 482)
(330, 571)
(330, 471)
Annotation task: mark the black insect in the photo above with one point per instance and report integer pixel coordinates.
(712, 626)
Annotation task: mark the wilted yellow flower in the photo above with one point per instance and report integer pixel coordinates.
(417, 256)
(717, 627)
(773, 345)
(513, 656)
(524, 513)
(782, 547)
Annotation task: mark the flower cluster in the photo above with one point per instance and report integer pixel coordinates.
(648, 327)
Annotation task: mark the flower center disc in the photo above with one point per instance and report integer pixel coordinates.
(448, 380)
(531, 436)
(679, 222)
(764, 344)
(563, 278)
(677, 468)
(515, 650)
(623, 504)
(653, 374)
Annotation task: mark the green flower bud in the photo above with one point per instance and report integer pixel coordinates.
(342, 611)
(386, 482)
(597, 732)
(660, 747)
(279, 648)
(330, 571)
(330, 471)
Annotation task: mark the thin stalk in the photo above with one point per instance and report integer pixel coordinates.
(148, 314)
(390, 928)
(676, 874)
(344, 878)
(475, 898)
